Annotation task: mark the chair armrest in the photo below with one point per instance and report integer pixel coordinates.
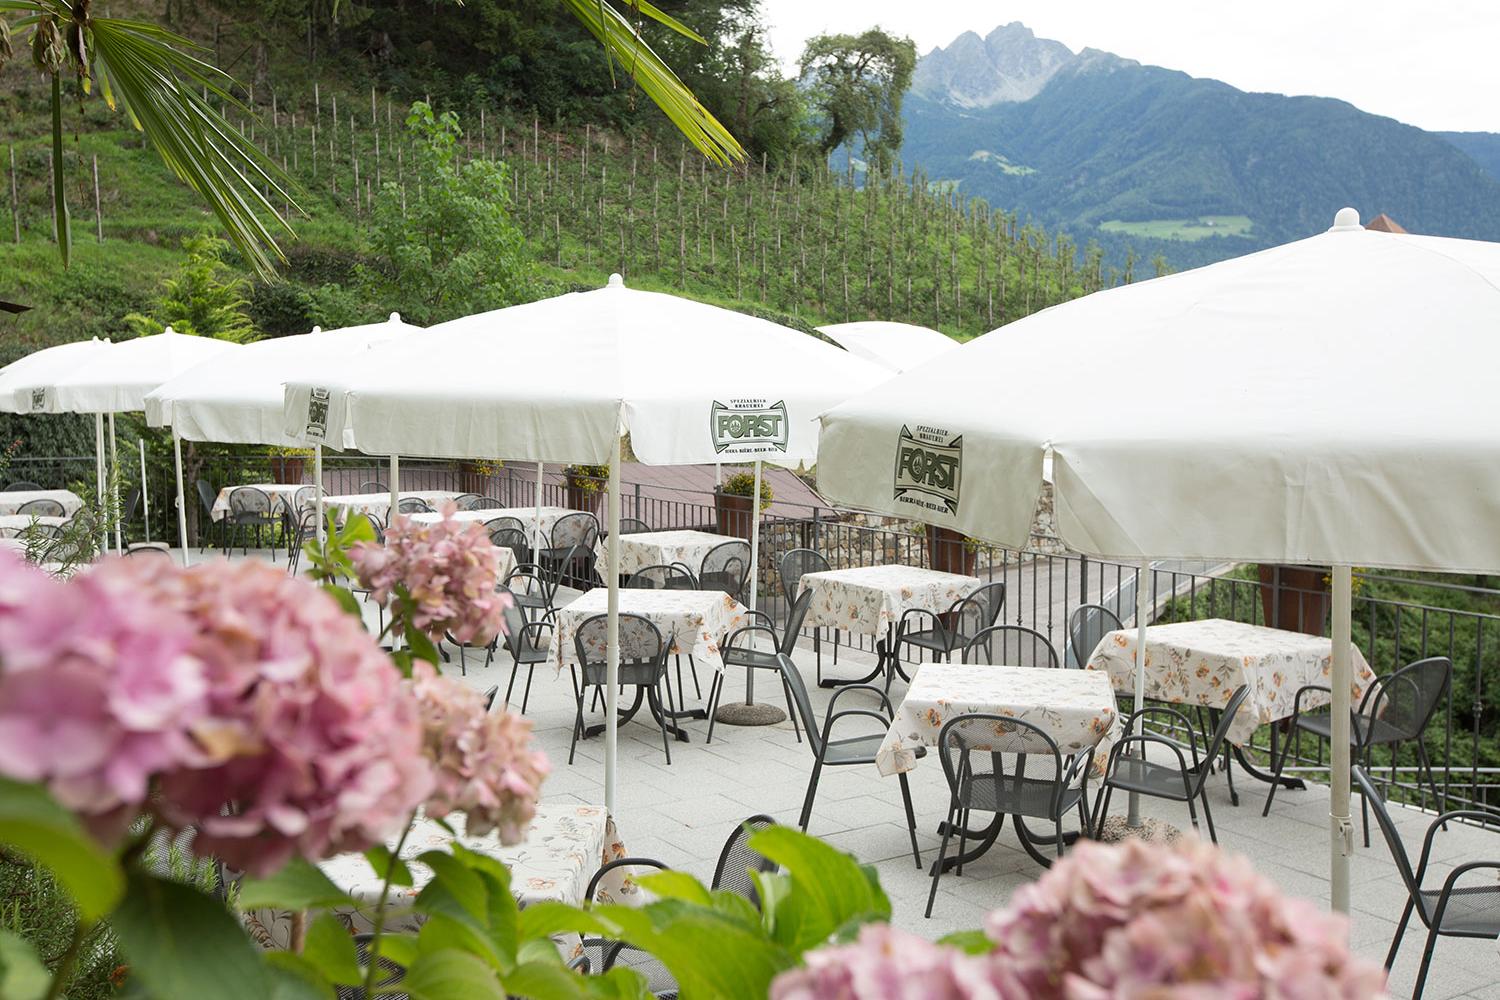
(1081, 764)
(588, 897)
(1451, 882)
(1181, 717)
(1115, 752)
(1482, 815)
(833, 717)
(1297, 699)
(885, 699)
(937, 623)
(761, 616)
(729, 642)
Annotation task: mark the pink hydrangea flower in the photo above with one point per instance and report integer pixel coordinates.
(448, 570)
(884, 963)
(483, 765)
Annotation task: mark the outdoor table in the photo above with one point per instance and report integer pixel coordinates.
(1077, 709)
(692, 623)
(660, 548)
(379, 504)
(11, 524)
(12, 502)
(282, 496)
(872, 599)
(1202, 663)
(526, 515)
(565, 845)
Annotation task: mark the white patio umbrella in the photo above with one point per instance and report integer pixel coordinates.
(242, 402)
(43, 366)
(561, 379)
(117, 380)
(895, 347)
(1330, 401)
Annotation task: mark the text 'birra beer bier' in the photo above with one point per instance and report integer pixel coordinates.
(317, 414)
(748, 426)
(929, 462)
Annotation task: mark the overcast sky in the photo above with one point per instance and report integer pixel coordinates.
(1431, 63)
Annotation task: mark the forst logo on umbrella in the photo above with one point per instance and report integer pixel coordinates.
(748, 426)
(317, 414)
(38, 400)
(929, 463)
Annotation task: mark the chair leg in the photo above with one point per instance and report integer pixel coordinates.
(1101, 807)
(911, 820)
(963, 830)
(515, 669)
(1390, 956)
(577, 729)
(693, 672)
(526, 696)
(1432, 936)
(1192, 810)
(937, 868)
(714, 689)
(812, 791)
(653, 699)
(1208, 815)
(1426, 762)
(1286, 748)
(1057, 829)
(463, 658)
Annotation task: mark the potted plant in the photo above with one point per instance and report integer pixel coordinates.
(474, 476)
(1295, 598)
(950, 551)
(288, 464)
(733, 504)
(584, 485)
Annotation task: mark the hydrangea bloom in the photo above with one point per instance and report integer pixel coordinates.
(888, 964)
(483, 765)
(448, 569)
(1139, 919)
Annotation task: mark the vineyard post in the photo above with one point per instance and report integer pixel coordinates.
(52, 194)
(98, 216)
(15, 197)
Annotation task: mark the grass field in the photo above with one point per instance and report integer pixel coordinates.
(1186, 230)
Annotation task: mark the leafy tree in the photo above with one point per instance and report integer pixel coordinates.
(206, 298)
(448, 248)
(857, 83)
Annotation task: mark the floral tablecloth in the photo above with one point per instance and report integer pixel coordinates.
(660, 548)
(693, 622)
(379, 504)
(1203, 662)
(1077, 709)
(526, 515)
(13, 524)
(872, 599)
(563, 849)
(281, 494)
(11, 502)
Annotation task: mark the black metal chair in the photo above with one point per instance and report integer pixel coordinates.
(643, 665)
(206, 500)
(148, 549)
(42, 507)
(413, 505)
(390, 973)
(1041, 784)
(738, 861)
(292, 511)
(794, 565)
(570, 549)
(633, 526)
(662, 577)
(524, 642)
(1470, 911)
(306, 530)
(948, 632)
(485, 503)
(464, 501)
(251, 508)
(726, 567)
(604, 954)
(1394, 710)
(1183, 783)
(535, 587)
(21, 486)
(1017, 645)
(1087, 625)
(373, 486)
(490, 694)
(513, 539)
(846, 751)
(775, 658)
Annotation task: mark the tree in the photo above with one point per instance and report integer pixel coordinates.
(448, 248)
(206, 298)
(856, 84)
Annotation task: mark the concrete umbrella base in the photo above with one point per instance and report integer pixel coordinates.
(741, 714)
(1151, 830)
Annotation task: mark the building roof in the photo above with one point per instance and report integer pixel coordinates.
(1383, 223)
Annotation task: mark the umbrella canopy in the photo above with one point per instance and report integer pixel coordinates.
(557, 380)
(242, 402)
(895, 347)
(41, 367)
(118, 379)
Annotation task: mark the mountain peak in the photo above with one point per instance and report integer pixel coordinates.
(1009, 64)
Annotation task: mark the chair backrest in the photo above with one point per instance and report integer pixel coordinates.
(1387, 828)
(726, 567)
(485, 503)
(795, 564)
(1216, 741)
(42, 507)
(794, 619)
(413, 505)
(465, 501)
(1013, 646)
(980, 608)
(390, 972)
(21, 486)
(662, 577)
(148, 550)
(579, 530)
(633, 526)
(962, 737)
(510, 523)
(306, 497)
(1087, 625)
(641, 642)
(513, 539)
(206, 494)
(518, 638)
(738, 859)
(803, 704)
(373, 486)
(1404, 701)
(132, 505)
(249, 500)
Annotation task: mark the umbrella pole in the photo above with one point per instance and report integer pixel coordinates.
(536, 523)
(145, 492)
(395, 490)
(318, 488)
(114, 486)
(181, 497)
(612, 668)
(1142, 612)
(754, 575)
(99, 477)
(1340, 829)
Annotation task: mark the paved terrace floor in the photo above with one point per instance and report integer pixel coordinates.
(682, 813)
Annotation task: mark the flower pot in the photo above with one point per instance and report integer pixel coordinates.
(472, 478)
(581, 498)
(949, 552)
(287, 469)
(1295, 598)
(733, 513)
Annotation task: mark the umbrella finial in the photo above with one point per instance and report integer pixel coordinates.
(395, 317)
(1347, 220)
(615, 281)
(317, 329)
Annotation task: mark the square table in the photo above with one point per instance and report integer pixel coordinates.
(872, 599)
(564, 847)
(282, 496)
(526, 515)
(692, 622)
(11, 502)
(379, 504)
(640, 549)
(12, 524)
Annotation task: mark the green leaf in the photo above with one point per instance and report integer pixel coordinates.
(971, 942)
(400, 948)
(504, 913)
(182, 943)
(34, 824)
(829, 889)
(330, 949)
(421, 646)
(543, 981)
(709, 955)
(301, 885)
(22, 975)
(294, 978)
(451, 975)
(544, 919)
(357, 528)
(675, 885)
(380, 859)
(441, 932)
(455, 891)
(345, 599)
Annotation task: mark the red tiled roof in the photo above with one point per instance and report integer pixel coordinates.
(1383, 223)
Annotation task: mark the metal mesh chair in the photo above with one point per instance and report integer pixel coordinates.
(570, 549)
(527, 642)
(413, 505)
(389, 974)
(251, 508)
(485, 503)
(305, 531)
(148, 550)
(737, 652)
(206, 499)
(1454, 910)
(738, 861)
(1087, 625)
(535, 586)
(662, 577)
(465, 501)
(946, 633)
(794, 565)
(489, 696)
(643, 665)
(847, 750)
(513, 539)
(374, 486)
(633, 526)
(1011, 645)
(1182, 783)
(726, 567)
(21, 486)
(603, 954)
(1041, 784)
(42, 507)
(1394, 710)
